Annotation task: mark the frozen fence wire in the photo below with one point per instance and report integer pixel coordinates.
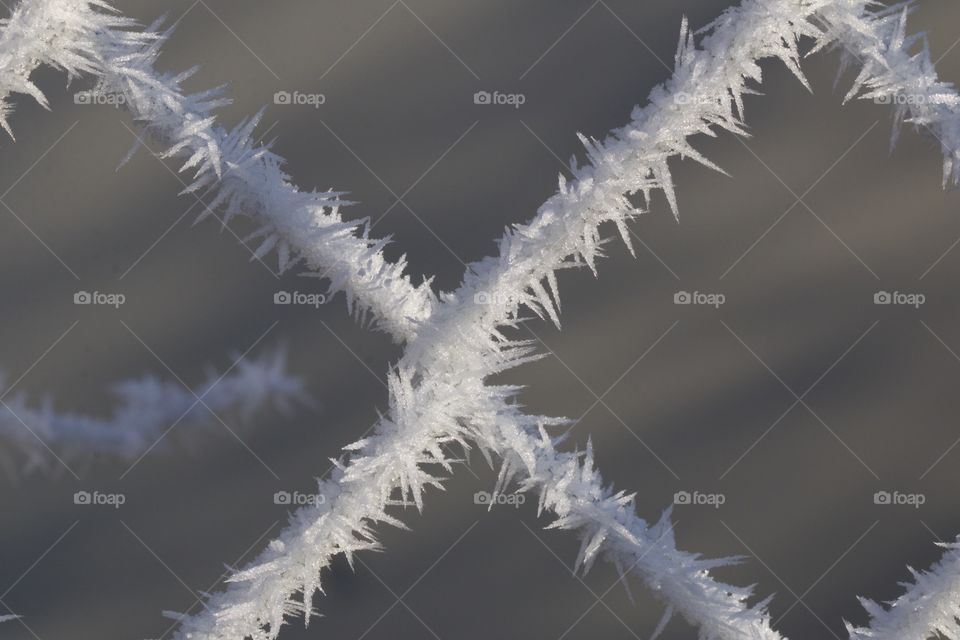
(242, 177)
(930, 605)
(68, 35)
(565, 234)
(896, 68)
(436, 399)
(146, 408)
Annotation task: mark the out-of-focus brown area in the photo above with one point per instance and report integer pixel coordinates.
(797, 400)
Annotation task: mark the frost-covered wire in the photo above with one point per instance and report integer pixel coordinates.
(242, 177)
(247, 180)
(146, 407)
(897, 69)
(461, 345)
(438, 395)
(67, 35)
(438, 391)
(928, 608)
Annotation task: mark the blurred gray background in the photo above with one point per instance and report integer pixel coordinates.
(817, 217)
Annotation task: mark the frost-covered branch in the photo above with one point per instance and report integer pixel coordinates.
(243, 178)
(146, 408)
(929, 607)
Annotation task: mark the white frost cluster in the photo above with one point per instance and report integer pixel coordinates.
(929, 606)
(439, 397)
(66, 35)
(146, 408)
